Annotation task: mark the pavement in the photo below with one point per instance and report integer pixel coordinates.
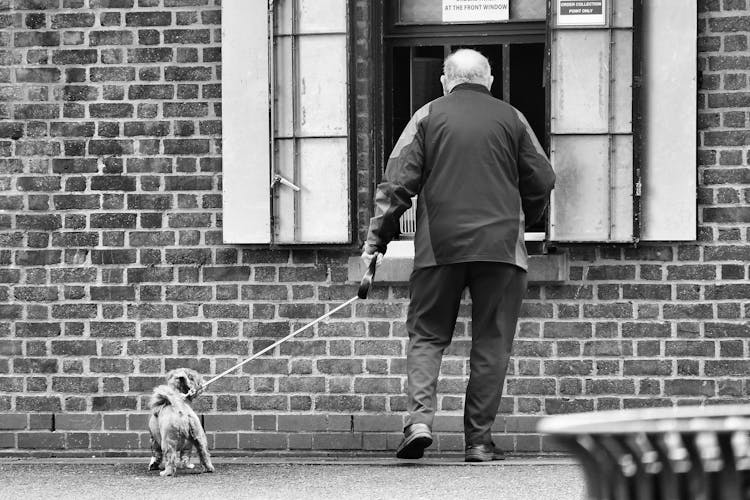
(331, 477)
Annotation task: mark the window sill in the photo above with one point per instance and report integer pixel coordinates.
(399, 262)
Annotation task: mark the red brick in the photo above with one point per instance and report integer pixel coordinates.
(41, 441)
(377, 385)
(688, 387)
(338, 403)
(724, 368)
(303, 348)
(115, 441)
(36, 39)
(80, 20)
(337, 441)
(66, 57)
(13, 421)
(296, 423)
(556, 406)
(264, 403)
(135, 421)
(609, 386)
(647, 367)
(223, 440)
(35, 365)
(76, 385)
(38, 75)
(340, 366)
(377, 423)
(646, 330)
(378, 347)
(113, 403)
(78, 422)
(263, 441)
(527, 386)
(242, 422)
(611, 273)
(449, 443)
(37, 329)
(7, 440)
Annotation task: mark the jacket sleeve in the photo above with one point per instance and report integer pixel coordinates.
(402, 180)
(535, 175)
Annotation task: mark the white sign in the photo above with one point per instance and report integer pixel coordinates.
(581, 12)
(472, 11)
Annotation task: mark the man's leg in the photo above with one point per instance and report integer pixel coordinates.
(497, 291)
(435, 299)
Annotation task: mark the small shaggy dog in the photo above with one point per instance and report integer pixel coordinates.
(174, 426)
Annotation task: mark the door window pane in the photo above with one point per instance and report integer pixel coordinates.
(527, 84)
(416, 81)
(310, 171)
(426, 70)
(400, 92)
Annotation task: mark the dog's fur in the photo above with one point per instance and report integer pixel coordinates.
(174, 426)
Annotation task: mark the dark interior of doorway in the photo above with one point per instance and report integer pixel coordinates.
(518, 70)
(415, 72)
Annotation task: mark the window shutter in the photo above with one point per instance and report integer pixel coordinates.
(245, 122)
(311, 197)
(591, 122)
(668, 154)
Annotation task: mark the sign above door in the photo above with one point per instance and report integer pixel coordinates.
(475, 11)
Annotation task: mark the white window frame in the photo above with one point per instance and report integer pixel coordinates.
(286, 121)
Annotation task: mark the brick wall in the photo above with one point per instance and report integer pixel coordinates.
(113, 270)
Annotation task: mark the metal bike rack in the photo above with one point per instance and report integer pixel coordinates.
(684, 453)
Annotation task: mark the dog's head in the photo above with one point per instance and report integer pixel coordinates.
(185, 381)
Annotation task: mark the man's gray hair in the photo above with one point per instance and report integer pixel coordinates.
(466, 66)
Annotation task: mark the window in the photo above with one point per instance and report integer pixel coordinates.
(611, 92)
(416, 44)
(286, 122)
(591, 123)
(623, 121)
(616, 75)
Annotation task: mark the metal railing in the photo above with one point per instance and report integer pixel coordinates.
(685, 453)
(408, 222)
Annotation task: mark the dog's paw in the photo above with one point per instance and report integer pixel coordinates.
(188, 465)
(208, 468)
(154, 464)
(165, 473)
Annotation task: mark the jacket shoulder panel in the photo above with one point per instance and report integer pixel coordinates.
(407, 136)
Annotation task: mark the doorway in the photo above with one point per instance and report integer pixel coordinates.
(414, 45)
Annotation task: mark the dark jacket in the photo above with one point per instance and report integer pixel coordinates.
(481, 177)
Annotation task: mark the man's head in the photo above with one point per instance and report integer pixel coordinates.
(465, 66)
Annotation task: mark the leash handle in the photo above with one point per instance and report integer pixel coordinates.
(366, 283)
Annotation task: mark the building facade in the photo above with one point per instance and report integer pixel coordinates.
(182, 183)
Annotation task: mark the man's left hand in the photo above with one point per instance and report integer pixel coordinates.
(368, 255)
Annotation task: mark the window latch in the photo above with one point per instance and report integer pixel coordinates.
(277, 179)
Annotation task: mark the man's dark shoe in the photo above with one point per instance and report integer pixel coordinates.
(417, 437)
(483, 453)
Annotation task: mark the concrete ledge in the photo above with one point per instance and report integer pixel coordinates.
(399, 262)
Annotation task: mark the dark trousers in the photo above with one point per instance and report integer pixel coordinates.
(497, 291)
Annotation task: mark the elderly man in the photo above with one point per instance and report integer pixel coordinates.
(481, 176)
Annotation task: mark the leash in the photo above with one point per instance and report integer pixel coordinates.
(364, 288)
